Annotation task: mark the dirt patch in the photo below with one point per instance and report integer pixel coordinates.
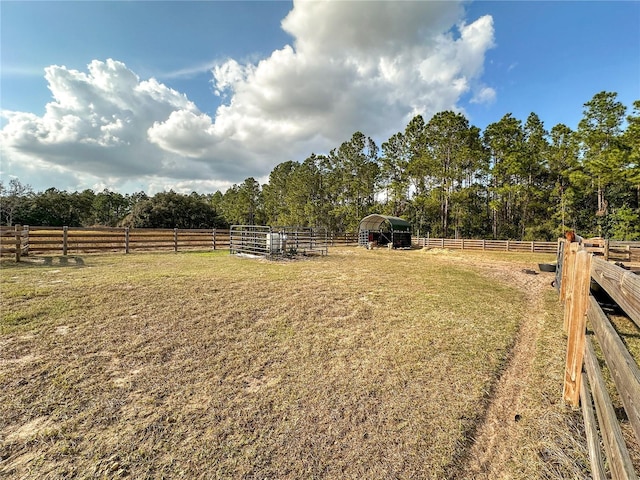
(525, 427)
(62, 330)
(497, 435)
(28, 430)
(29, 358)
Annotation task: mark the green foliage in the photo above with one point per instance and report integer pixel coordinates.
(625, 223)
(172, 210)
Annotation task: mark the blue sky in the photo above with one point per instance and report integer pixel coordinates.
(200, 95)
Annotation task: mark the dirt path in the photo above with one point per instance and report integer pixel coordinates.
(497, 436)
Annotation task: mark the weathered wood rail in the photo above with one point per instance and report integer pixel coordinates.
(579, 268)
(609, 249)
(26, 240)
(486, 245)
(14, 241)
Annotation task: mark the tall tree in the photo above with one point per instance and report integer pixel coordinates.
(242, 204)
(563, 162)
(275, 193)
(13, 198)
(600, 130)
(505, 142)
(632, 142)
(354, 175)
(450, 143)
(393, 173)
(535, 174)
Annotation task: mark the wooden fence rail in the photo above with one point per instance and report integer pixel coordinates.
(74, 240)
(579, 269)
(487, 245)
(14, 241)
(609, 249)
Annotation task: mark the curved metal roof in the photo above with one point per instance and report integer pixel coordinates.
(375, 221)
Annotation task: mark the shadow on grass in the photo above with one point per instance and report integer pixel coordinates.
(31, 262)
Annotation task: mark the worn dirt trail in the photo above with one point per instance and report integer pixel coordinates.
(497, 436)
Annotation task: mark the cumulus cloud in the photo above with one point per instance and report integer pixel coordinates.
(352, 66)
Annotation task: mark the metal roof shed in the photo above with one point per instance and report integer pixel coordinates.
(384, 230)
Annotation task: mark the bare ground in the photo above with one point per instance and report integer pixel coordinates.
(497, 435)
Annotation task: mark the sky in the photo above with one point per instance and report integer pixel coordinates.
(198, 96)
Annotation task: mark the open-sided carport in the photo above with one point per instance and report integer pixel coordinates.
(384, 230)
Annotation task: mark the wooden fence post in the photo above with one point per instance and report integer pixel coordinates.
(214, 238)
(18, 245)
(533, 246)
(126, 239)
(65, 238)
(484, 242)
(175, 239)
(26, 233)
(568, 255)
(606, 249)
(507, 245)
(577, 327)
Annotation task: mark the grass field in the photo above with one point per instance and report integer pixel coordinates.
(361, 364)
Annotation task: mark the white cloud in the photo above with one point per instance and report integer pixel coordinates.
(484, 95)
(353, 66)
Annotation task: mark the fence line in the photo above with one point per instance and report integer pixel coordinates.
(65, 240)
(486, 245)
(73, 240)
(14, 241)
(611, 249)
(579, 268)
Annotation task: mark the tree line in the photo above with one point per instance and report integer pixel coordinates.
(513, 180)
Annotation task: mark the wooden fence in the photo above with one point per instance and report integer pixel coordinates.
(75, 240)
(14, 241)
(579, 269)
(486, 245)
(610, 249)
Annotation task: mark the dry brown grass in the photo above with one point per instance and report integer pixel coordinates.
(362, 364)
(630, 335)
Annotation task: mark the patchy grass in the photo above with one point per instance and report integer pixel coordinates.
(550, 434)
(362, 364)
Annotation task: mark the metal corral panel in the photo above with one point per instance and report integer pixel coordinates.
(270, 241)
